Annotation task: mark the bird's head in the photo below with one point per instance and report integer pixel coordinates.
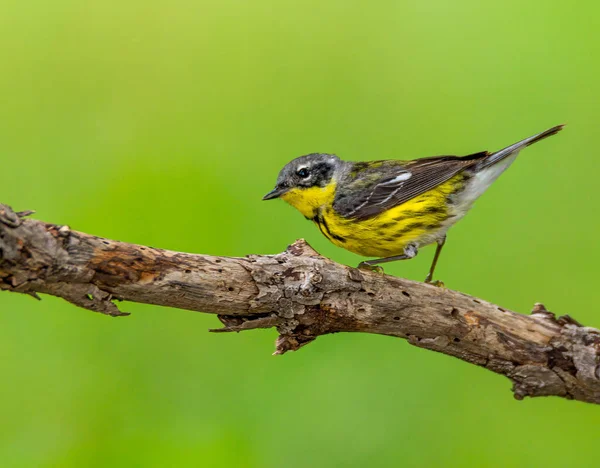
(307, 182)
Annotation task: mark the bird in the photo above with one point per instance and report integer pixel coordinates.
(389, 209)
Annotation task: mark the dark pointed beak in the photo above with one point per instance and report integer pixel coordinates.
(275, 193)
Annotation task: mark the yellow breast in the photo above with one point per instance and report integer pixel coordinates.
(384, 235)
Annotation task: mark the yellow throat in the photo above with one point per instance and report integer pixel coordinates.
(308, 200)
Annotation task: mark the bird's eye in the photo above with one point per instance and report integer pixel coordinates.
(303, 173)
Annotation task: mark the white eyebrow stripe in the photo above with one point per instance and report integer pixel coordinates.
(400, 178)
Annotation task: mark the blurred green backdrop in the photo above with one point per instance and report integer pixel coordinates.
(164, 122)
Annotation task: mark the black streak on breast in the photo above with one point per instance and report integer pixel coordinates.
(320, 220)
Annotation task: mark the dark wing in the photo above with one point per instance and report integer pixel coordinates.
(373, 190)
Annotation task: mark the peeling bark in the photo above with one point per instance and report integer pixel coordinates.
(303, 295)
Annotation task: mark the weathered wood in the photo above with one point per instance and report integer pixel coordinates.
(303, 295)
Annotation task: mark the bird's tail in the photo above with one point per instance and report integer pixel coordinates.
(512, 149)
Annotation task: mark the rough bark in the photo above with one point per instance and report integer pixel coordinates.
(303, 295)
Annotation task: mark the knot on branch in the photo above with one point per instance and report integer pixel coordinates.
(573, 357)
(11, 219)
(8, 217)
(34, 258)
(293, 287)
(15, 253)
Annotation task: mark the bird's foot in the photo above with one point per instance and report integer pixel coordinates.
(437, 283)
(374, 268)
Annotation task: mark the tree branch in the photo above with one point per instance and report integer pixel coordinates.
(303, 295)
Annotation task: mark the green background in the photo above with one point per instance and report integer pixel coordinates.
(164, 122)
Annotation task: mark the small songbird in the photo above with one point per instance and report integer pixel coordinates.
(389, 209)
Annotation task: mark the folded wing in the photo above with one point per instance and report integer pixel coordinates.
(387, 184)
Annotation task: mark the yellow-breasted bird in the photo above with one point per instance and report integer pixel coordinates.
(389, 209)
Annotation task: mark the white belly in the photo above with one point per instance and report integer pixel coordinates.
(463, 201)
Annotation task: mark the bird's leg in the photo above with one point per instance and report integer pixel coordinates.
(410, 251)
(436, 256)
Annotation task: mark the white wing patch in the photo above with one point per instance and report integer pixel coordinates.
(400, 178)
(399, 181)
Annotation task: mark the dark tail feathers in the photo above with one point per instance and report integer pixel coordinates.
(503, 153)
